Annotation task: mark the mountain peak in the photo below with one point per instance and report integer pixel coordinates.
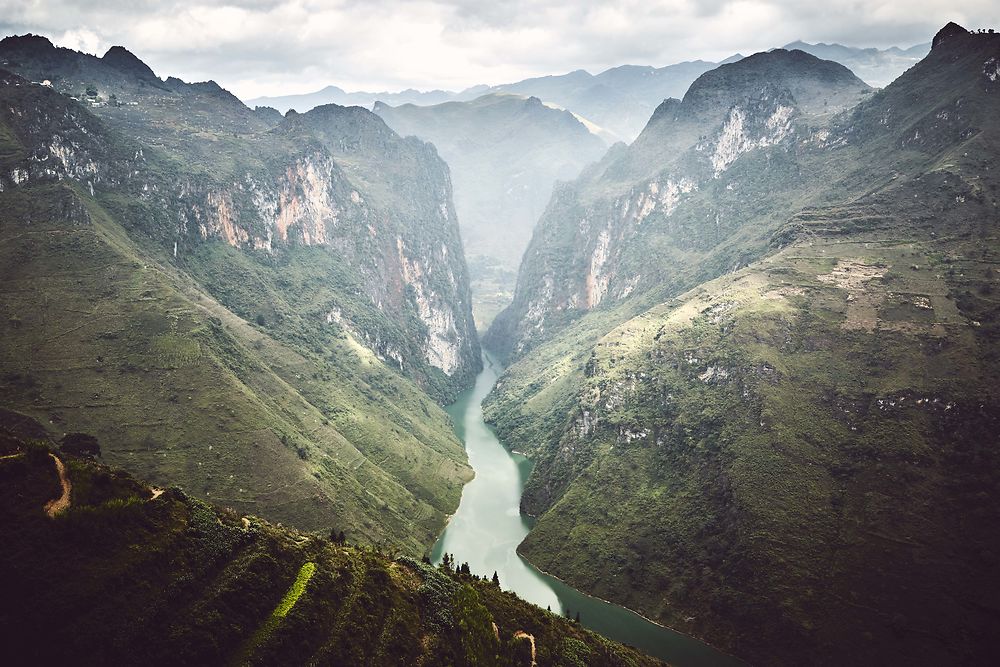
(124, 60)
(946, 33)
(808, 78)
(27, 42)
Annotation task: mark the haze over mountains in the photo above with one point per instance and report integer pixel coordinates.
(753, 355)
(876, 67)
(618, 100)
(505, 153)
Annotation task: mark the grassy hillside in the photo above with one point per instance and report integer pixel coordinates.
(101, 338)
(128, 573)
(269, 378)
(185, 167)
(262, 310)
(796, 459)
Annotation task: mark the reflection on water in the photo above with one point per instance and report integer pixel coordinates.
(488, 526)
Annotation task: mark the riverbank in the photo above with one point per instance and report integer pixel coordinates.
(488, 527)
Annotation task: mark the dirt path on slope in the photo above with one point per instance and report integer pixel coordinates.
(54, 507)
(520, 634)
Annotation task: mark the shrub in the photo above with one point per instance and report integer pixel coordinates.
(80, 444)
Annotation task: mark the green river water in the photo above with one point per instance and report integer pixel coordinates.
(488, 526)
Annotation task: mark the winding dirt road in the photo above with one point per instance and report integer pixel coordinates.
(521, 634)
(60, 504)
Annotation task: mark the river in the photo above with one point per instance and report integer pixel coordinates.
(488, 526)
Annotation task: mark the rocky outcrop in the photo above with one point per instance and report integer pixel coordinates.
(592, 247)
(390, 217)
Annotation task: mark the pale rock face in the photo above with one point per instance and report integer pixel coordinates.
(629, 286)
(535, 315)
(714, 374)
(735, 139)
(991, 69)
(302, 199)
(597, 279)
(305, 199)
(663, 196)
(221, 206)
(443, 347)
(585, 424)
(65, 153)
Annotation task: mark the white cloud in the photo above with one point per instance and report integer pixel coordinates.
(83, 40)
(256, 47)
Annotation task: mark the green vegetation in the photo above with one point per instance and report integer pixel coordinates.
(783, 437)
(292, 596)
(124, 576)
(295, 592)
(150, 299)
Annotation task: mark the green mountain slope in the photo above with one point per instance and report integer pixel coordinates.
(776, 426)
(637, 220)
(127, 574)
(262, 318)
(505, 153)
(206, 168)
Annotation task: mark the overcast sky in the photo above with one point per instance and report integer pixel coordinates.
(258, 47)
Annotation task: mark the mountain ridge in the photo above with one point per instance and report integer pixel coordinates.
(155, 575)
(765, 436)
(270, 304)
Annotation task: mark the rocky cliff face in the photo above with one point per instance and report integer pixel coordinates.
(263, 308)
(506, 153)
(599, 230)
(390, 215)
(774, 459)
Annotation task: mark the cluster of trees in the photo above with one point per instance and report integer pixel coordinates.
(449, 563)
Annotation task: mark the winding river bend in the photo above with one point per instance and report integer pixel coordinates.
(488, 526)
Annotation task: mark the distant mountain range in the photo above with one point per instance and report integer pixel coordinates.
(618, 101)
(876, 67)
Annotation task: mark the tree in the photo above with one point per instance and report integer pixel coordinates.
(496, 579)
(577, 617)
